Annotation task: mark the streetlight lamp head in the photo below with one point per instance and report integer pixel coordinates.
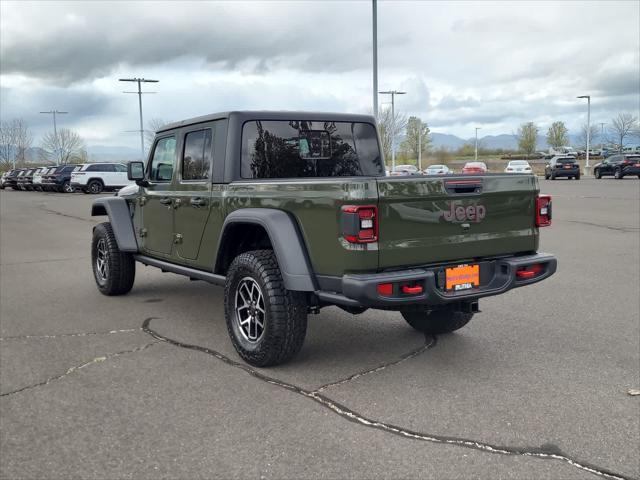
(584, 96)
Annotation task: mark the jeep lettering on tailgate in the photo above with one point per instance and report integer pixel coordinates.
(460, 213)
(293, 212)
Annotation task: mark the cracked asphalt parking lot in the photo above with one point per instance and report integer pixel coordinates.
(148, 385)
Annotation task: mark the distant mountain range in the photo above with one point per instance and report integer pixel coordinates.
(504, 141)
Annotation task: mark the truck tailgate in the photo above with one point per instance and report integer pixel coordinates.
(454, 218)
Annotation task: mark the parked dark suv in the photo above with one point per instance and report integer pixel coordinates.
(565, 166)
(59, 180)
(10, 179)
(619, 166)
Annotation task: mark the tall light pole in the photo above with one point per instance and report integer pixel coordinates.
(602, 124)
(420, 145)
(588, 97)
(393, 94)
(55, 112)
(375, 57)
(140, 81)
(476, 156)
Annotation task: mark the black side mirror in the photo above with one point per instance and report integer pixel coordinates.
(135, 172)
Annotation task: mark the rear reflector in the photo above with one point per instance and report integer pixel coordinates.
(385, 289)
(543, 211)
(530, 271)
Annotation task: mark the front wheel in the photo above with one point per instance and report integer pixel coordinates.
(266, 322)
(442, 320)
(67, 187)
(618, 174)
(597, 174)
(113, 270)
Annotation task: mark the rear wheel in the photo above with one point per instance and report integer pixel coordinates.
(266, 322)
(577, 177)
(113, 270)
(442, 320)
(95, 186)
(553, 175)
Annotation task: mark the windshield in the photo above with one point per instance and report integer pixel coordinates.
(291, 149)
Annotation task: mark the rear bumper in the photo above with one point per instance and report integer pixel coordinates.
(362, 290)
(631, 170)
(566, 172)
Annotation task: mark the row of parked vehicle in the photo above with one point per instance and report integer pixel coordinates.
(86, 177)
(470, 168)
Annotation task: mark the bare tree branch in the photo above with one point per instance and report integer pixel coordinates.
(67, 146)
(623, 126)
(390, 128)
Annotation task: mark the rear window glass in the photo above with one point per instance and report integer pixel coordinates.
(566, 160)
(293, 149)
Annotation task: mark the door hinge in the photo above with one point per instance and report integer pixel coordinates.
(143, 232)
(177, 238)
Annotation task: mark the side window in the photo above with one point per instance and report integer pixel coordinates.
(163, 159)
(120, 168)
(196, 157)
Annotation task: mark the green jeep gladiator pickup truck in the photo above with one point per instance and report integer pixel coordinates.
(292, 212)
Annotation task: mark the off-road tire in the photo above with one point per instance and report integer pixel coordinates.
(120, 266)
(95, 187)
(618, 174)
(442, 320)
(285, 318)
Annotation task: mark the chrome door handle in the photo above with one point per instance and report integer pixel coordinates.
(198, 202)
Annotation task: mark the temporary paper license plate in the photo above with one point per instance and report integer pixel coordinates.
(462, 277)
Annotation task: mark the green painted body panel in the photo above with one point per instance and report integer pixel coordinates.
(414, 229)
(157, 220)
(315, 204)
(189, 220)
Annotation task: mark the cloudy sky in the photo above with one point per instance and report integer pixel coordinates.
(463, 64)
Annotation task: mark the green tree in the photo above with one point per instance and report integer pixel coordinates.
(557, 135)
(527, 137)
(417, 135)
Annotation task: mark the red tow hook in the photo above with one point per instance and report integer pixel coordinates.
(412, 290)
(530, 271)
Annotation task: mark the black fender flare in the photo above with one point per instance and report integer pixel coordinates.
(286, 240)
(120, 217)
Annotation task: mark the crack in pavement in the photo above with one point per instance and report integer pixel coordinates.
(543, 452)
(44, 261)
(63, 335)
(71, 370)
(429, 342)
(609, 227)
(55, 212)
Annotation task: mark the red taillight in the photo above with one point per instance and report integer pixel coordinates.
(385, 289)
(543, 211)
(530, 271)
(360, 223)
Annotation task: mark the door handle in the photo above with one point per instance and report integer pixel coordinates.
(165, 201)
(198, 202)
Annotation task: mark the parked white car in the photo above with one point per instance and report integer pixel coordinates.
(518, 166)
(96, 177)
(437, 170)
(405, 170)
(37, 177)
